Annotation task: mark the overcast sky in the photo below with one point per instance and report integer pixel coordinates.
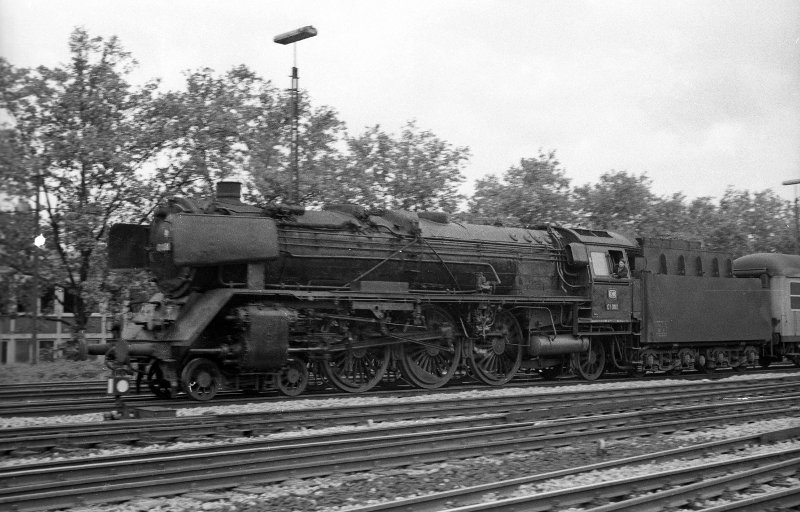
(699, 95)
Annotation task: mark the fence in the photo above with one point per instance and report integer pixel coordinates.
(52, 335)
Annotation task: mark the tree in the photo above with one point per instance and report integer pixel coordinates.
(619, 201)
(415, 171)
(535, 192)
(85, 132)
(750, 222)
(269, 165)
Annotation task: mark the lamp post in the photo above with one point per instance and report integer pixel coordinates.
(38, 243)
(796, 216)
(286, 38)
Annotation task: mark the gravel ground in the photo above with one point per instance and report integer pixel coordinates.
(343, 492)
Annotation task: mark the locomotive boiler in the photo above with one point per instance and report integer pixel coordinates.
(286, 297)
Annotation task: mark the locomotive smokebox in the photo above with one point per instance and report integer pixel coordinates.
(557, 345)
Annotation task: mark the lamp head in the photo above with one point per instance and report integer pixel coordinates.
(296, 35)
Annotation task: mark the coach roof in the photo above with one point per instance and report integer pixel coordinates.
(770, 263)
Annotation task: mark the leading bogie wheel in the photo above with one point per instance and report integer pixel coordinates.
(292, 379)
(591, 364)
(201, 379)
(496, 356)
(431, 364)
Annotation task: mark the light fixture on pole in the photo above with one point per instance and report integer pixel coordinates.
(38, 243)
(796, 216)
(287, 38)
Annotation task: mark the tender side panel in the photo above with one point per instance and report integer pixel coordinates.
(685, 309)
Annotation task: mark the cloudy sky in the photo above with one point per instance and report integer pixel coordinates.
(699, 95)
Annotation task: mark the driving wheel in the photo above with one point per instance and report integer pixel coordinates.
(357, 370)
(496, 356)
(431, 363)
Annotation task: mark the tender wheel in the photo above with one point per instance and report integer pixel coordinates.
(591, 364)
(432, 363)
(357, 370)
(158, 385)
(701, 364)
(201, 379)
(496, 357)
(750, 359)
(293, 379)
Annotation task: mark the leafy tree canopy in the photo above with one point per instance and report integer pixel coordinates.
(534, 192)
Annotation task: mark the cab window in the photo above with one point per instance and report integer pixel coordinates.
(600, 264)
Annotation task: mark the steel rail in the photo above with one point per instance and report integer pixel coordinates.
(102, 404)
(686, 484)
(25, 407)
(100, 480)
(83, 435)
(435, 502)
(28, 439)
(776, 500)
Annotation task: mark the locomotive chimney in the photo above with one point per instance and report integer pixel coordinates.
(229, 191)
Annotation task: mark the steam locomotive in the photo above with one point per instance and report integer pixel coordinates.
(254, 297)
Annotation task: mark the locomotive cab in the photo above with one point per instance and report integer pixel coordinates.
(604, 258)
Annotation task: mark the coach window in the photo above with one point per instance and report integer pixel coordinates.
(715, 267)
(681, 265)
(794, 295)
(699, 265)
(600, 264)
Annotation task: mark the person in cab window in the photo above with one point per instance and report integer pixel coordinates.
(621, 271)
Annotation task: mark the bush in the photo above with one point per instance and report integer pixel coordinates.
(55, 371)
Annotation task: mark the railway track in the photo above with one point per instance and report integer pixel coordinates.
(174, 471)
(478, 410)
(49, 390)
(84, 397)
(654, 491)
